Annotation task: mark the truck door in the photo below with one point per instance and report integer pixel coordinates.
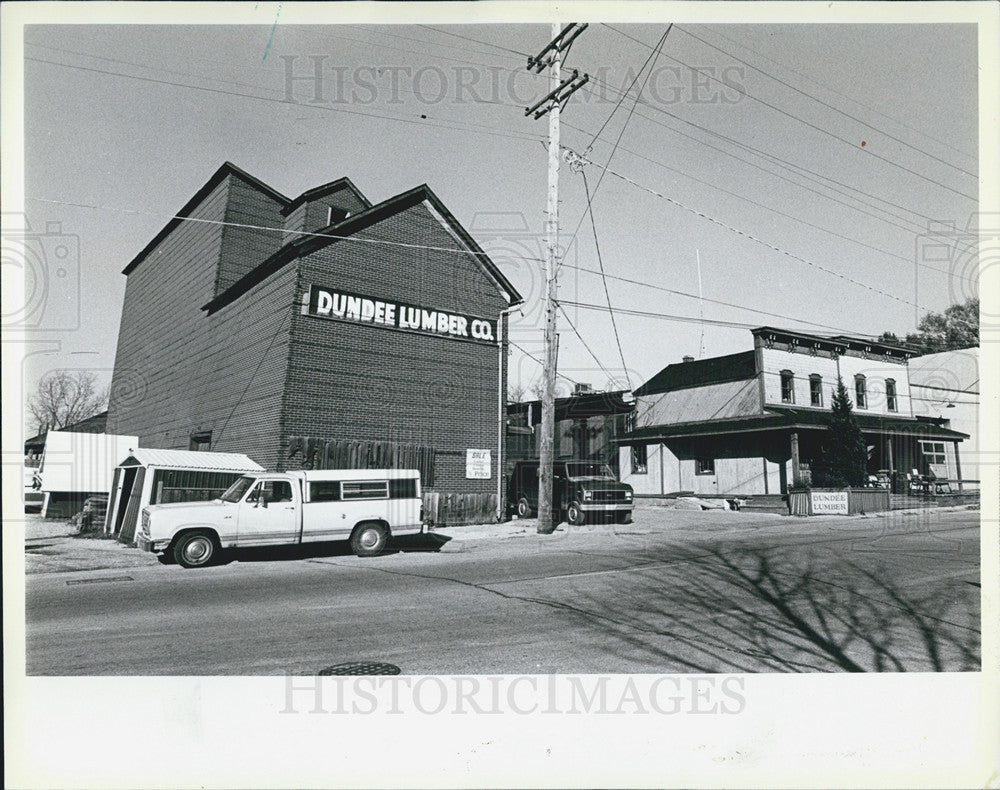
(268, 514)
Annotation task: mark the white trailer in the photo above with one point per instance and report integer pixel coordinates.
(76, 466)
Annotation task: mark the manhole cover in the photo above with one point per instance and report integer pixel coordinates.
(361, 668)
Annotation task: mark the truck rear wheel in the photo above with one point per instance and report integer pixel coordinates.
(194, 549)
(523, 508)
(369, 539)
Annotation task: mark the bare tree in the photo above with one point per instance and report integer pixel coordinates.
(65, 397)
(516, 393)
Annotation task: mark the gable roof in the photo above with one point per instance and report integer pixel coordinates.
(191, 459)
(227, 169)
(326, 189)
(346, 228)
(714, 370)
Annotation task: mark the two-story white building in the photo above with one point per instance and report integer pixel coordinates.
(751, 423)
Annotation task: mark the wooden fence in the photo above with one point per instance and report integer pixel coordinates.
(859, 500)
(451, 510)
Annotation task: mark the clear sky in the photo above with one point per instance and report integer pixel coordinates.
(835, 144)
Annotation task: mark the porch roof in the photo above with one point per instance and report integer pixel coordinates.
(784, 419)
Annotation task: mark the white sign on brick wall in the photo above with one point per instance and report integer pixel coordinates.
(478, 465)
(826, 503)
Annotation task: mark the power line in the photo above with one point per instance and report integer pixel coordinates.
(651, 59)
(760, 241)
(794, 218)
(627, 91)
(620, 278)
(827, 105)
(477, 41)
(585, 345)
(851, 99)
(801, 120)
(789, 165)
(607, 294)
(532, 357)
(662, 316)
(248, 226)
(423, 121)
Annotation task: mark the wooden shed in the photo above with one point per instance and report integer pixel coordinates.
(154, 477)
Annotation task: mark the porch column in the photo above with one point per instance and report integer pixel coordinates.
(795, 457)
(958, 468)
(889, 463)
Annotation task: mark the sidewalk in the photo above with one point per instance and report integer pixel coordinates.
(54, 547)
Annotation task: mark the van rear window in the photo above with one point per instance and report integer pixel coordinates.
(365, 489)
(405, 488)
(324, 491)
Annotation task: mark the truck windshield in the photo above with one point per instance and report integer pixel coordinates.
(581, 469)
(236, 491)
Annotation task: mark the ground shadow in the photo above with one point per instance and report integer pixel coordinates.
(770, 610)
(427, 542)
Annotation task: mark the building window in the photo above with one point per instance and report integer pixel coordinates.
(787, 387)
(890, 395)
(860, 392)
(816, 390)
(704, 466)
(933, 452)
(639, 459)
(201, 441)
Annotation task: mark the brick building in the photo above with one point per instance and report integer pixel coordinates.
(319, 331)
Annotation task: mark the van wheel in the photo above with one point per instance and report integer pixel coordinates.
(574, 514)
(623, 518)
(523, 508)
(369, 539)
(194, 549)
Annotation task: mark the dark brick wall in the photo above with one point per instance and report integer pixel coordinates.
(371, 383)
(178, 370)
(243, 248)
(258, 372)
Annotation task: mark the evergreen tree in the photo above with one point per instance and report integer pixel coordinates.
(844, 456)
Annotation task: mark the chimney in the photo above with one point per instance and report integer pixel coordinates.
(688, 359)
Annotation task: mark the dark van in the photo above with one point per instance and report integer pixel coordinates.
(582, 490)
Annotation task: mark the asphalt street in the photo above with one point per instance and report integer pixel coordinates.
(894, 593)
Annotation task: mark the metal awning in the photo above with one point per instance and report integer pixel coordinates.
(191, 459)
(785, 419)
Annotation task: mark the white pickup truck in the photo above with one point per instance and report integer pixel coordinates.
(364, 506)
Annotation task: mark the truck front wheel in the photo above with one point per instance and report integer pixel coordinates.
(369, 539)
(575, 514)
(194, 549)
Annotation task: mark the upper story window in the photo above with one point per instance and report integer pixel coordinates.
(860, 392)
(787, 387)
(704, 466)
(815, 390)
(890, 395)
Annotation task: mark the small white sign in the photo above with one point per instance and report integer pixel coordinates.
(478, 465)
(826, 503)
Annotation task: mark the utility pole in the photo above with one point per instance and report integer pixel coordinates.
(559, 92)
